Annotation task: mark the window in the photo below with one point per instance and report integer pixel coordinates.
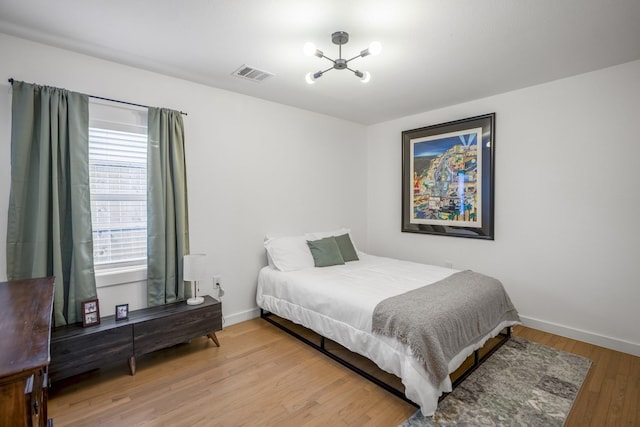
(118, 178)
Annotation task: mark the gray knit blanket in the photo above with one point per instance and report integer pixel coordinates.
(439, 320)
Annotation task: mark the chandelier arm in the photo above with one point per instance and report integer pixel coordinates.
(353, 71)
(355, 57)
(324, 71)
(329, 59)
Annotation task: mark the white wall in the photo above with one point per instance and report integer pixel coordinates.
(566, 193)
(567, 203)
(254, 167)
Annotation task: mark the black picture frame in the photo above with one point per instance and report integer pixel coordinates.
(122, 312)
(448, 173)
(90, 312)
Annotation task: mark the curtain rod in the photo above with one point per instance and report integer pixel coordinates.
(11, 80)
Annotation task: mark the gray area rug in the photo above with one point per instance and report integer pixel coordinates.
(522, 384)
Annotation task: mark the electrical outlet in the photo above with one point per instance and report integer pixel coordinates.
(217, 284)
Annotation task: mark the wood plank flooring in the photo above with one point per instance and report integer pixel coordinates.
(261, 376)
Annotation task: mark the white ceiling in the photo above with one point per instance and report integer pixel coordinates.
(435, 52)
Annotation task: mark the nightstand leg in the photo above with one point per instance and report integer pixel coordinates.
(132, 365)
(213, 336)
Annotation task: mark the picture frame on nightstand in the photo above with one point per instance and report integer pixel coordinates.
(122, 312)
(90, 310)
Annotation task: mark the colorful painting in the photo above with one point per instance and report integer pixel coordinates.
(445, 170)
(447, 178)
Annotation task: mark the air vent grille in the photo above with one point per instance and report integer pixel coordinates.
(251, 73)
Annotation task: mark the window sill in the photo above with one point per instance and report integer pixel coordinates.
(120, 276)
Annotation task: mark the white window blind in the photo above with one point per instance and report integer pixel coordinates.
(118, 178)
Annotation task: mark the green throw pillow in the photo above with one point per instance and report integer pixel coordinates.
(325, 252)
(347, 250)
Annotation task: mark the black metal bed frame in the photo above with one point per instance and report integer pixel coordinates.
(477, 359)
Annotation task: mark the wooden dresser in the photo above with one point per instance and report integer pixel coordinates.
(25, 322)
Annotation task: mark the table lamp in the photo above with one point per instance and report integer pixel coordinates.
(194, 268)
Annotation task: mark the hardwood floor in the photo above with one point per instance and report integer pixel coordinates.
(260, 376)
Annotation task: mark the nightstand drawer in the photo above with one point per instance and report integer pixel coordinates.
(74, 353)
(160, 333)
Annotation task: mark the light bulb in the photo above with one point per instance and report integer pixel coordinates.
(309, 49)
(309, 78)
(366, 77)
(375, 48)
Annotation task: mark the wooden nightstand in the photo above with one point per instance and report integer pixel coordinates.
(75, 349)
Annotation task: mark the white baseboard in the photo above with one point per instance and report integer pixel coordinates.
(234, 318)
(580, 335)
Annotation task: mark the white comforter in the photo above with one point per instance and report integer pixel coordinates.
(338, 302)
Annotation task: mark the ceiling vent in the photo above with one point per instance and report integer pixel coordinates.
(252, 73)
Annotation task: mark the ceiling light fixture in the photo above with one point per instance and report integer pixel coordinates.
(340, 38)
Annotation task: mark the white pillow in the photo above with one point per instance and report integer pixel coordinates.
(322, 234)
(289, 253)
(269, 260)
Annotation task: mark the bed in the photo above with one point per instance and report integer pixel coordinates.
(341, 302)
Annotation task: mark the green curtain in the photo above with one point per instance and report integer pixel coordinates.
(49, 218)
(167, 215)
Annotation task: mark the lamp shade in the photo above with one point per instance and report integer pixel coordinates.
(194, 267)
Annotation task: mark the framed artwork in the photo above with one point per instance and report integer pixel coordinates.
(90, 312)
(448, 178)
(122, 311)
